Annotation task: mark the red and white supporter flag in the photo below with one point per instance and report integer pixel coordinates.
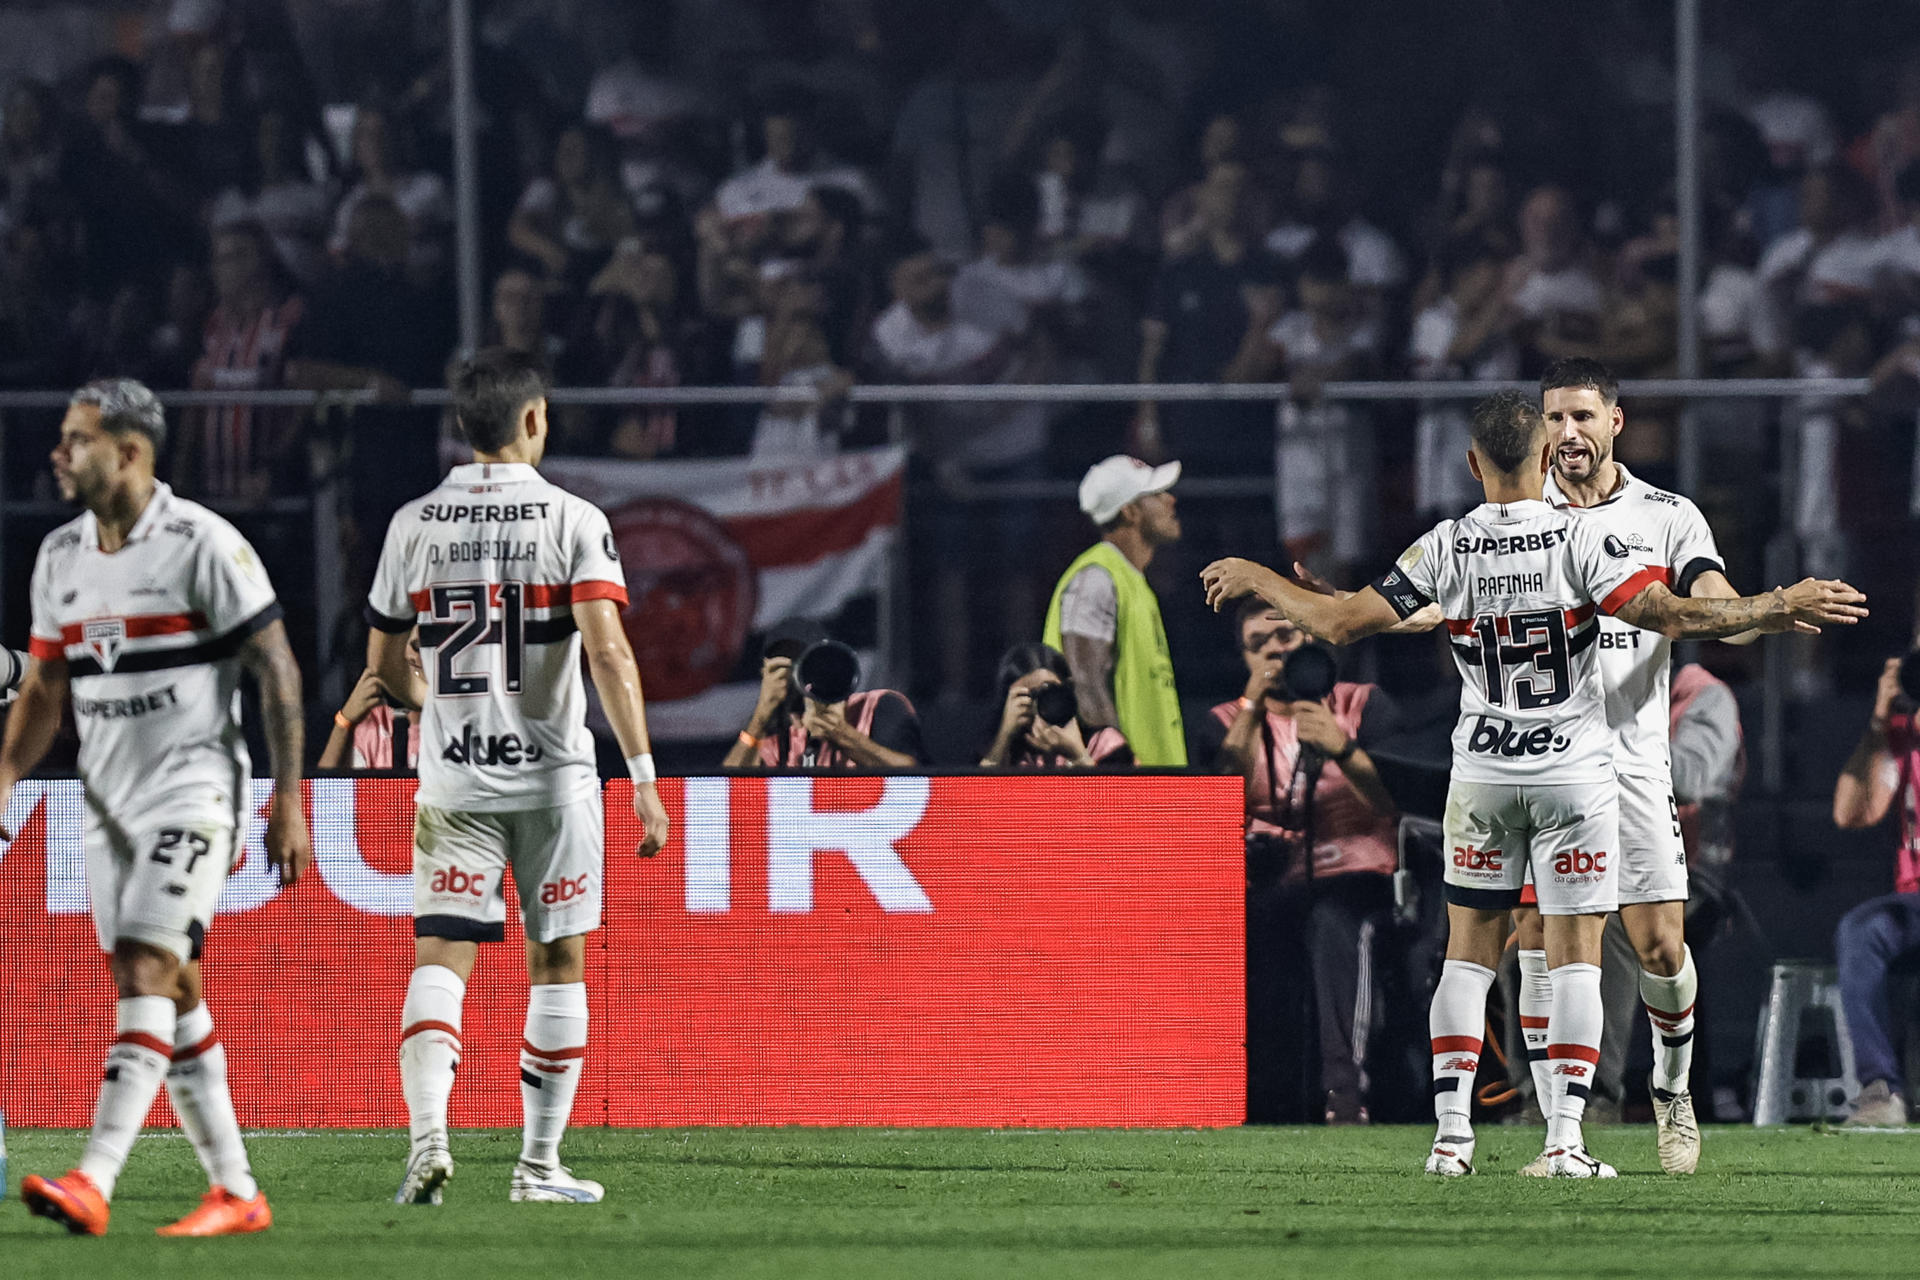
(718, 550)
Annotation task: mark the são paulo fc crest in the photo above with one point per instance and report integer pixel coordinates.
(104, 636)
(693, 591)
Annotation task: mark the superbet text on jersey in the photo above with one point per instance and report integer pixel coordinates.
(488, 566)
(1665, 534)
(1520, 584)
(151, 636)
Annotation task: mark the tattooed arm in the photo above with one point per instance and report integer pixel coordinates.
(1801, 607)
(267, 655)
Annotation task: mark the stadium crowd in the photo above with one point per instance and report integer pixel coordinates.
(257, 196)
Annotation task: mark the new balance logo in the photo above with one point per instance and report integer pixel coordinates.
(454, 880)
(1574, 1069)
(1460, 1064)
(489, 749)
(563, 890)
(1496, 737)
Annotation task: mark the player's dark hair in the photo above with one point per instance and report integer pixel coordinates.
(1506, 431)
(489, 391)
(1580, 372)
(1906, 184)
(126, 405)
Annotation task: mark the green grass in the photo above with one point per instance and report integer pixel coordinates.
(794, 1203)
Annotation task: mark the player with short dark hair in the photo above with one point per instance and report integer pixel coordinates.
(146, 609)
(1532, 782)
(1666, 534)
(507, 579)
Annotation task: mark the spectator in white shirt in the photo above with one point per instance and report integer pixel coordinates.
(569, 221)
(788, 170)
(983, 552)
(1550, 287)
(1832, 260)
(382, 165)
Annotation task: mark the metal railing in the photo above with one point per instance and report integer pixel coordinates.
(1781, 555)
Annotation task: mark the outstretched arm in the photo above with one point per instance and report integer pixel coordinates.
(268, 656)
(1801, 607)
(1713, 585)
(1329, 618)
(1422, 620)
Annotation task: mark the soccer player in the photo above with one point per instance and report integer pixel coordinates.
(1532, 778)
(146, 609)
(1665, 533)
(506, 575)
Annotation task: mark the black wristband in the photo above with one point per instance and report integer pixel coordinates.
(1345, 753)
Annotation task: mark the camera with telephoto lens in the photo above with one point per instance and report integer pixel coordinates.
(827, 671)
(1057, 704)
(1307, 674)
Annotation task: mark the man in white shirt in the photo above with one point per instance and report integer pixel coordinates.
(508, 579)
(145, 611)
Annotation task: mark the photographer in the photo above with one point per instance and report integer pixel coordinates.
(374, 728)
(1881, 932)
(809, 715)
(1298, 736)
(1040, 717)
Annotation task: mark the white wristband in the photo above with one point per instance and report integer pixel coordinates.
(641, 767)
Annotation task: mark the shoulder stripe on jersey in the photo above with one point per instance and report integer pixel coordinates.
(1574, 617)
(141, 626)
(541, 595)
(218, 649)
(1634, 586)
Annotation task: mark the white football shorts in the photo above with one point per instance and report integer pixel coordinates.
(159, 881)
(1653, 860)
(1568, 835)
(460, 863)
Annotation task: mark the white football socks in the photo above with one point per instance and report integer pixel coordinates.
(430, 1049)
(142, 1048)
(1573, 1049)
(197, 1087)
(1536, 1006)
(1457, 1021)
(1669, 1004)
(551, 1059)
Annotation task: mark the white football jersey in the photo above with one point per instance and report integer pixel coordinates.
(1665, 533)
(1520, 584)
(151, 636)
(488, 566)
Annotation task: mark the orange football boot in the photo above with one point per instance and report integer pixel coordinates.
(73, 1202)
(222, 1213)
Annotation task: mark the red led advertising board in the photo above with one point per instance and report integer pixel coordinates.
(1025, 950)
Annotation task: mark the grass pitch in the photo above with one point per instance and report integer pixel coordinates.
(794, 1203)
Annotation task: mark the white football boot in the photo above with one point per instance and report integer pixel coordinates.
(1574, 1162)
(553, 1185)
(1452, 1157)
(1678, 1131)
(428, 1169)
(1541, 1166)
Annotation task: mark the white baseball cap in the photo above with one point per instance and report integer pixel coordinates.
(1112, 483)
